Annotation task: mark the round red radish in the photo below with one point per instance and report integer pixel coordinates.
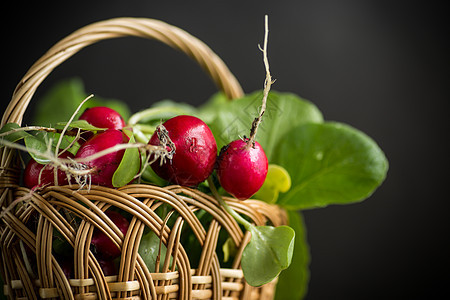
(104, 166)
(36, 174)
(67, 266)
(108, 266)
(104, 246)
(103, 117)
(195, 151)
(242, 170)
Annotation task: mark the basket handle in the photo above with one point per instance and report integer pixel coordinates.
(113, 28)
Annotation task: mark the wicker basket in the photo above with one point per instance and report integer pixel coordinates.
(49, 208)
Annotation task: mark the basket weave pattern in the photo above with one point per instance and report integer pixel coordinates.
(176, 276)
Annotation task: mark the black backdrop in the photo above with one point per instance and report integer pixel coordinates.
(380, 66)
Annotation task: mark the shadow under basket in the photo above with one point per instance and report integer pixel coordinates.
(43, 231)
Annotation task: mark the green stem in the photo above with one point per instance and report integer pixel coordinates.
(228, 209)
(152, 113)
(145, 128)
(140, 136)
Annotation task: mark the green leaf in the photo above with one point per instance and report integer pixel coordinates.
(80, 124)
(267, 254)
(61, 100)
(149, 249)
(208, 111)
(330, 163)
(229, 249)
(60, 245)
(293, 282)
(37, 144)
(277, 180)
(233, 119)
(13, 136)
(67, 141)
(150, 176)
(129, 165)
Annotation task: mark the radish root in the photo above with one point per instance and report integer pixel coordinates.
(267, 85)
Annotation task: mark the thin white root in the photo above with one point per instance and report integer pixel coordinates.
(70, 121)
(28, 128)
(267, 85)
(164, 143)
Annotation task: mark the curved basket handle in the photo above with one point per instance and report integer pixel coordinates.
(113, 28)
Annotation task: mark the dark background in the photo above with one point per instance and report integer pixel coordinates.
(380, 66)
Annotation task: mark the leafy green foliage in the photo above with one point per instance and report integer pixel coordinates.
(13, 136)
(231, 120)
(229, 249)
(267, 254)
(60, 245)
(79, 124)
(150, 248)
(293, 282)
(39, 145)
(148, 175)
(277, 180)
(129, 165)
(330, 163)
(60, 102)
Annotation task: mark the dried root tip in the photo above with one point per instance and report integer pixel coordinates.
(163, 152)
(164, 140)
(267, 84)
(80, 173)
(166, 148)
(74, 171)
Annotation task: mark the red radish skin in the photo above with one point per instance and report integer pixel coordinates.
(67, 266)
(105, 166)
(105, 247)
(108, 266)
(195, 153)
(33, 169)
(101, 117)
(242, 170)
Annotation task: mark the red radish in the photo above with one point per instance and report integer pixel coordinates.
(108, 266)
(101, 117)
(67, 266)
(33, 177)
(195, 151)
(104, 246)
(105, 166)
(241, 169)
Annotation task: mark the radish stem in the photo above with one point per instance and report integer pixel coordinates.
(247, 225)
